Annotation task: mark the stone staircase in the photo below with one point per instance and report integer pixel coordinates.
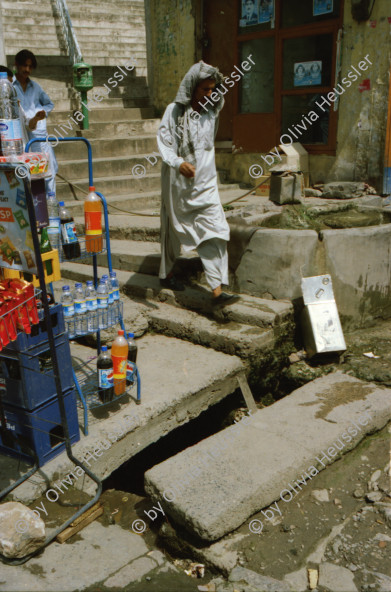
(122, 135)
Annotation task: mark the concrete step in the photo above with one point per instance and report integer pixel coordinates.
(266, 315)
(230, 337)
(52, 43)
(115, 166)
(147, 202)
(113, 47)
(88, 32)
(140, 256)
(121, 184)
(128, 228)
(106, 129)
(170, 398)
(105, 115)
(235, 456)
(145, 144)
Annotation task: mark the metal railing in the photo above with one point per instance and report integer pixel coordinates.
(72, 44)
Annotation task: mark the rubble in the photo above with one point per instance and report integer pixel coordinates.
(21, 531)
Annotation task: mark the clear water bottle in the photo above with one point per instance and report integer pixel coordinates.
(10, 128)
(110, 300)
(92, 307)
(80, 309)
(115, 289)
(54, 230)
(103, 305)
(68, 308)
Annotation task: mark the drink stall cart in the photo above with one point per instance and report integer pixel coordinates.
(86, 386)
(38, 414)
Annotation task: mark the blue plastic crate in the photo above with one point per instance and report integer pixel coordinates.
(28, 377)
(38, 435)
(39, 332)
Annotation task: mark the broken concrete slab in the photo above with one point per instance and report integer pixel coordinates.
(336, 578)
(346, 190)
(174, 391)
(362, 291)
(91, 559)
(337, 411)
(287, 261)
(257, 582)
(231, 338)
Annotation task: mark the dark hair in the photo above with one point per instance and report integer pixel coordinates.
(24, 55)
(5, 69)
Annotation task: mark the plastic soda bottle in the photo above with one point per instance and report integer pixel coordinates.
(93, 222)
(132, 357)
(46, 247)
(70, 244)
(10, 127)
(105, 376)
(54, 231)
(119, 355)
(68, 308)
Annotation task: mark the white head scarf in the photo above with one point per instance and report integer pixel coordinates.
(195, 75)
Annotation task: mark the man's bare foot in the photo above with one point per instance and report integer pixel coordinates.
(217, 292)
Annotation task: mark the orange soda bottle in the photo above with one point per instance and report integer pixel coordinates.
(119, 355)
(93, 222)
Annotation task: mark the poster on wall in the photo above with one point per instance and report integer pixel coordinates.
(266, 11)
(307, 73)
(249, 13)
(16, 242)
(256, 11)
(322, 7)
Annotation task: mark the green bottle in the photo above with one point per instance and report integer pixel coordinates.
(45, 248)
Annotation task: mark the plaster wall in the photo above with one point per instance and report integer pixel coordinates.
(171, 27)
(362, 114)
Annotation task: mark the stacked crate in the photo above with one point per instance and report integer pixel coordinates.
(29, 394)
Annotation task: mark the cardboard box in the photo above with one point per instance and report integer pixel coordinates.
(264, 189)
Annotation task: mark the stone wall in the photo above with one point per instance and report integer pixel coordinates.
(174, 43)
(171, 39)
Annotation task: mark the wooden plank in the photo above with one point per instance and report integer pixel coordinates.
(246, 392)
(72, 530)
(86, 514)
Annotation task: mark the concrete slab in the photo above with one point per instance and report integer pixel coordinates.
(174, 391)
(98, 552)
(231, 337)
(287, 261)
(302, 433)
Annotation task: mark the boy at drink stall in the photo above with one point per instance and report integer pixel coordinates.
(37, 106)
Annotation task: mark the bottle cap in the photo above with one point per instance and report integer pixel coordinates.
(61, 203)
(102, 280)
(120, 332)
(104, 348)
(131, 335)
(105, 276)
(91, 188)
(65, 287)
(89, 282)
(113, 274)
(78, 285)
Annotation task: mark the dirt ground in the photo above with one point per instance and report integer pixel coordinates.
(362, 544)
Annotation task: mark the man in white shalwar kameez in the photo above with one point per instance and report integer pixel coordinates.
(191, 212)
